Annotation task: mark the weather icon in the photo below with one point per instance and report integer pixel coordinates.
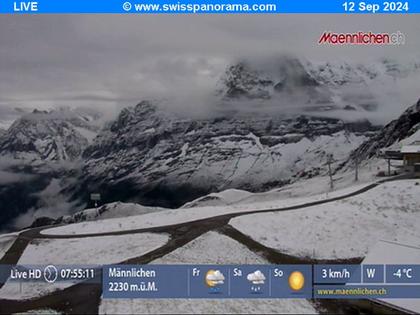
(296, 280)
(257, 279)
(214, 278)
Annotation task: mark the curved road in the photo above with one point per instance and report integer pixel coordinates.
(16, 250)
(85, 298)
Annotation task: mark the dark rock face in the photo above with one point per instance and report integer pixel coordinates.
(287, 80)
(43, 221)
(156, 158)
(241, 81)
(46, 136)
(37, 149)
(18, 197)
(23, 192)
(393, 132)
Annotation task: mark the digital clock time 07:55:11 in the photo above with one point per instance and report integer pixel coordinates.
(77, 273)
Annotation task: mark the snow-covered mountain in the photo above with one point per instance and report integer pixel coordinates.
(152, 155)
(285, 80)
(392, 136)
(48, 136)
(39, 155)
(272, 123)
(300, 85)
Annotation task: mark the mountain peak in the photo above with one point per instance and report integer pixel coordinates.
(390, 136)
(47, 135)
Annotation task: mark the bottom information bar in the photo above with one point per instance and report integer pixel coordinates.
(256, 281)
(207, 281)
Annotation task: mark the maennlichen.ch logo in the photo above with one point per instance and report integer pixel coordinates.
(362, 38)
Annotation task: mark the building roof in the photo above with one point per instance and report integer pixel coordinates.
(412, 148)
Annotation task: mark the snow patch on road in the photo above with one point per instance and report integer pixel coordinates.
(223, 198)
(212, 248)
(91, 250)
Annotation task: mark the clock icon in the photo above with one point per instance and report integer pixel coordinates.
(50, 273)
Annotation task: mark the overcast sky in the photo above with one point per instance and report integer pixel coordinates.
(112, 61)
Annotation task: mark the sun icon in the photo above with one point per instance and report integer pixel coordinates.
(296, 280)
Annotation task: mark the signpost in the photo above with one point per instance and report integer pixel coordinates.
(95, 198)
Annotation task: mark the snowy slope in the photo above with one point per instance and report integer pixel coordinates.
(316, 86)
(271, 124)
(39, 155)
(108, 211)
(175, 216)
(222, 198)
(154, 157)
(53, 136)
(341, 229)
(6, 241)
(308, 188)
(392, 136)
(272, 120)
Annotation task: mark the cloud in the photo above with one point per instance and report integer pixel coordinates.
(256, 277)
(51, 204)
(109, 62)
(7, 175)
(10, 178)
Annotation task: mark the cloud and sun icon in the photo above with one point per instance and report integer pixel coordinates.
(214, 278)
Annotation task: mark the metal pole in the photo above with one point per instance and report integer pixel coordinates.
(356, 177)
(389, 167)
(330, 172)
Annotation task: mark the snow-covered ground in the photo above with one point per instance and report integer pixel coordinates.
(320, 185)
(176, 216)
(45, 311)
(95, 250)
(222, 198)
(210, 248)
(111, 210)
(6, 241)
(341, 229)
(203, 306)
(415, 137)
(82, 251)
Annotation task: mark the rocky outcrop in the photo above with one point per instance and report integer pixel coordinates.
(395, 131)
(47, 136)
(157, 158)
